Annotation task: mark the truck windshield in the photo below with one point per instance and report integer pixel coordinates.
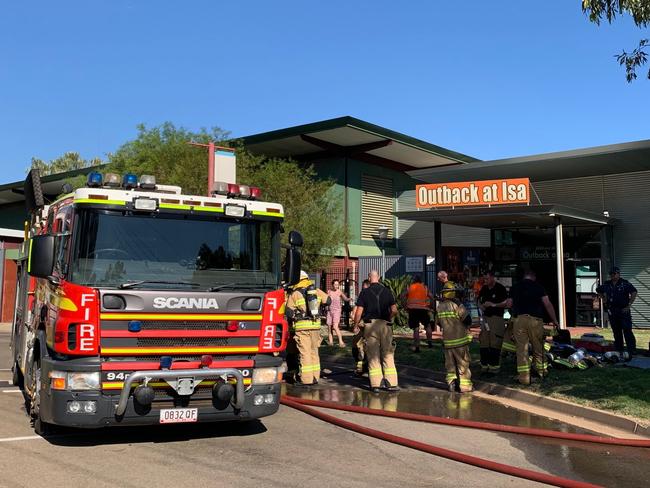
(113, 249)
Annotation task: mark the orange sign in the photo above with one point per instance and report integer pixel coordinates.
(475, 193)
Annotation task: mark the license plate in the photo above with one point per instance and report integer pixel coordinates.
(178, 415)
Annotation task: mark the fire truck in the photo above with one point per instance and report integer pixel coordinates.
(139, 305)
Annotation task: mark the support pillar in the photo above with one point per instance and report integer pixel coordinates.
(437, 249)
(559, 256)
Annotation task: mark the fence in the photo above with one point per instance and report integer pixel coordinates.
(396, 266)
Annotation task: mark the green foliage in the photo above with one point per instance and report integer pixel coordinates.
(399, 286)
(70, 161)
(165, 152)
(608, 10)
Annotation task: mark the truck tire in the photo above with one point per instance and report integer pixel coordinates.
(40, 427)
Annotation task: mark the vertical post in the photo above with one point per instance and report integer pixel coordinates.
(437, 248)
(211, 167)
(383, 259)
(559, 258)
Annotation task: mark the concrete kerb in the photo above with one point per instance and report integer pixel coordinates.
(560, 406)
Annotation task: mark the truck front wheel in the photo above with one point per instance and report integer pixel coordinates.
(40, 427)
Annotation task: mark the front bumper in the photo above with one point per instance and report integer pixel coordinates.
(54, 408)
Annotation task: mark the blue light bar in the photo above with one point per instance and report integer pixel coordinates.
(135, 326)
(95, 179)
(166, 362)
(129, 181)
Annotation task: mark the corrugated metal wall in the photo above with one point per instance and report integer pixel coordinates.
(376, 206)
(627, 199)
(417, 237)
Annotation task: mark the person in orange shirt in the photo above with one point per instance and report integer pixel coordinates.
(418, 303)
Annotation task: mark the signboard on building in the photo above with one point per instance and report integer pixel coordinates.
(473, 193)
(414, 264)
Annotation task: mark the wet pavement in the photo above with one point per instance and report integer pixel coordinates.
(600, 464)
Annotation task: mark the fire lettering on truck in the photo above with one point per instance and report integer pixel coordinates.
(268, 332)
(174, 302)
(87, 331)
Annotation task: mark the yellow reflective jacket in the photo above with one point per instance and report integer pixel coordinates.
(296, 303)
(450, 316)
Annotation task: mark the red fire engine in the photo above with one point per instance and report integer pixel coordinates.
(139, 305)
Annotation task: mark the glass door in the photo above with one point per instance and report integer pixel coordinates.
(588, 305)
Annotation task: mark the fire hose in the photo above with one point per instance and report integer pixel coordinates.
(306, 407)
(479, 425)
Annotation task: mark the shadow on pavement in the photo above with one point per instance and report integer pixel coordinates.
(68, 437)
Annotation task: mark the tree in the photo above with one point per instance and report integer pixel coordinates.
(68, 162)
(599, 10)
(165, 152)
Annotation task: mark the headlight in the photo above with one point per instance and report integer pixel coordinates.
(267, 376)
(83, 381)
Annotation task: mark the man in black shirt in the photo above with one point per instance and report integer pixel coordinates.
(528, 300)
(491, 301)
(376, 308)
(618, 295)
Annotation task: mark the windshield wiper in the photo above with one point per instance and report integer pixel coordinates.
(131, 284)
(238, 286)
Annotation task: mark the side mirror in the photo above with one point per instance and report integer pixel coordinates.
(41, 256)
(292, 266)
(295, 239)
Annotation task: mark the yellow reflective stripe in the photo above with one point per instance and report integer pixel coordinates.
(29, 260)
(300, 301)
(523, 369)
(305, 368)
(390, 371)
(509, 346)
(458, 342)
(451, 376)
(268, 214)
(174, 350)
(307, 327)
(446, 315)
(547, 346)
(208, 209)
(177, 316)
(175, 206)
(96, 201)
(375, 372)
(463, 381)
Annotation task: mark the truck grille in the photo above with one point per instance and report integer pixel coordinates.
(182, 325)
(183, 341)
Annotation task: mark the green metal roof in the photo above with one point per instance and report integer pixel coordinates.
(350, 131)
(51, 184)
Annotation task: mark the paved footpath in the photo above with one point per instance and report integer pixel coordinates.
(287, 449)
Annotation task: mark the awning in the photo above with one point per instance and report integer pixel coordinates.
(593, 161)
(508, 216)
(349, 136)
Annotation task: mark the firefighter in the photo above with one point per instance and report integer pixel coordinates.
(358, 343)
(418, 303)
(454, 319)
(492, 300)
(302, 311)
(528, 300)
(376, 308)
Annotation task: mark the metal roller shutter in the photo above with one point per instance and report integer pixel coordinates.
(376, 206)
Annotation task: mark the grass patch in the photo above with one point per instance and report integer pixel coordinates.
(617, 389)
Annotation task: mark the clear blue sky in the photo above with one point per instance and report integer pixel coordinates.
(490, 79)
